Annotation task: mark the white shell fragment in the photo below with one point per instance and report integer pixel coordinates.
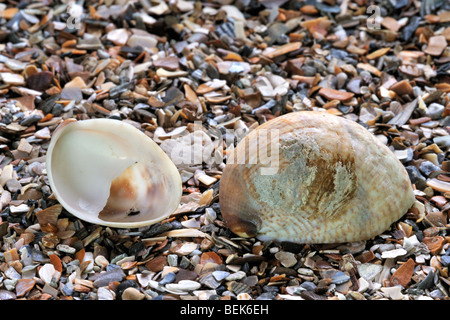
(313, 177)
(108, 172)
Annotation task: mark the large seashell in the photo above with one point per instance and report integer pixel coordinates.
(108, 172)
(323, 179)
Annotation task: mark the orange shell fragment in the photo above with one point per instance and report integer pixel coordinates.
(402, 276)
(332, 94)
(317, 27)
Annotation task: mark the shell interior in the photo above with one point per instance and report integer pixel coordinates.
(108, 172)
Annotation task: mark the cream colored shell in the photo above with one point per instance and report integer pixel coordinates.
(110, 173)
(335, 182)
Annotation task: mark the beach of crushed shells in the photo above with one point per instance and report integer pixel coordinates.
(163, 65)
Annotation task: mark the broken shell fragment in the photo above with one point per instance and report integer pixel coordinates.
(312, 177)
(108, 172)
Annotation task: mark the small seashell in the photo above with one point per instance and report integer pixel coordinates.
(108, 172)
(327, 180)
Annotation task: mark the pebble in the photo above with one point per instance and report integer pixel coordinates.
(232, 68)
(309, 295)
(369, 271)
(266, 296)
(402, 88)
(12, 78)
(339, 278)
(184, 285)
(332, 94)
(209, 281)
(287, 259)
(124, 285)
(147, 42)
(10, 284)
(13, 185)
(363, 285)
(104, 293)
(354, 85)
(416, 176)
(341, 79)
(236, 276)
(410, 243)
(39, 81)
(244, 296)
(30, 120)
(427, 167)
(7, 295)
(132, 294)
(169, 278)
(118, 36)
(65, 248)
(101, 261)
(428, 282)
(386, 247)
(220, 275)
(436, 45)
(233, 12)
(434, 111)
(15, 210)
(445, 260)
(24, 286)
(169, 63)
(104, 278)
(11, 273)
(186, 248)
(442, 141)
(251, 280)
(437, 294)
(57, 109)
(393, 292)
(172, 260)
(43, 133)
(308, 285)
(46, 272)
(390, 254)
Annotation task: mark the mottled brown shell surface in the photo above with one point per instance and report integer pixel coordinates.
(334, 182)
